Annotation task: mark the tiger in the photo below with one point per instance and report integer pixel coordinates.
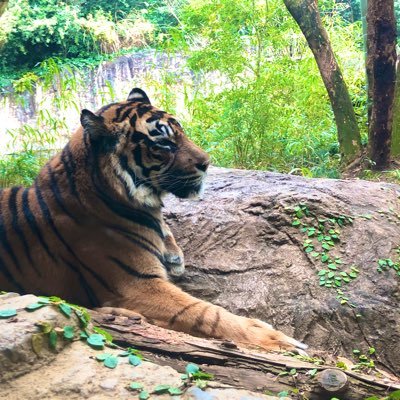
(90, 228)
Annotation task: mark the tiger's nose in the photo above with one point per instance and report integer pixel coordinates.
(203, 165)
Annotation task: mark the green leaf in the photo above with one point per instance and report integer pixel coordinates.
(293, 371)
(65, 309)
(296, 222)
(371, 350)
(83, 335)
(8, 313)
(53, 339)
(44, 300)
(322, 272)
(102, 357)
(355, 351)
(107, 336)
(312, 372)
(45, 327)
(309, 249)
(135, 386)
(324, 258)
(382, 262)
(37, 342)
(174, 391)
(353, 275)
(34, 306)
(347, 280)
(192, 368)
(96, 341)
(326, 246)
(332, 266)
(134, 360)
(160, 389)
(331, 274)
(343, 273)
(315, 254)
(69, 332)
(111, 362)
(299, 214)
(202, 375)
(144, 395)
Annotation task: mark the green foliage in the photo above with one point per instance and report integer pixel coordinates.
(321, 237)
(21, 168)
(33, 30)
(259, 101)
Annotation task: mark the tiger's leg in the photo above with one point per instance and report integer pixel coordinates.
(167, 306)
(173, 254)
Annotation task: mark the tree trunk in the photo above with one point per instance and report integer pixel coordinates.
(395, 150)
(381, 74)
(3, 6)
(306, 14)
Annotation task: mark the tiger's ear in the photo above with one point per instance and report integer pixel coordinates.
(93, 124)
(138, 95)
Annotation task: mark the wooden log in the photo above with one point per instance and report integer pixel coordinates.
(244, 368)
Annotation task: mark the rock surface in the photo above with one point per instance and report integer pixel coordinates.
(72, 371)
(243, 253)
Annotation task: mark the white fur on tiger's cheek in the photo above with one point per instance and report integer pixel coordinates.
(147, 197)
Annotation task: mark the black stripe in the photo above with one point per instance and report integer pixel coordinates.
(10, 277)
(12, 204)
(90, 293)
(138, 136)
(182, 311)
(143, 109)
(124, 115)
(46, 214)
(119, 110)
(5, 242)
(123, 183)
(139, 239)
(57, 193)
(200, 320)
(69, 167)
(123, 160)
(133, 120)
(137, 216)
(215, 324)
(105, 108)
(155, 116)
(33, 224)
(137, 154)
(156, 254)
(131, 271)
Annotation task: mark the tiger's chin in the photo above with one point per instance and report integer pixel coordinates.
(193, 192)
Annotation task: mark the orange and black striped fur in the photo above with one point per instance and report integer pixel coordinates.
(90, 228)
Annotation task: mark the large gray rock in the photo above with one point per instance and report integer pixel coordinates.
(243, 253)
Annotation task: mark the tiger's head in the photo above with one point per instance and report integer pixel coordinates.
(143, 152)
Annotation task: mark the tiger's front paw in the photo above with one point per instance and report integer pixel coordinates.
(174, 262)
(261, 334)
